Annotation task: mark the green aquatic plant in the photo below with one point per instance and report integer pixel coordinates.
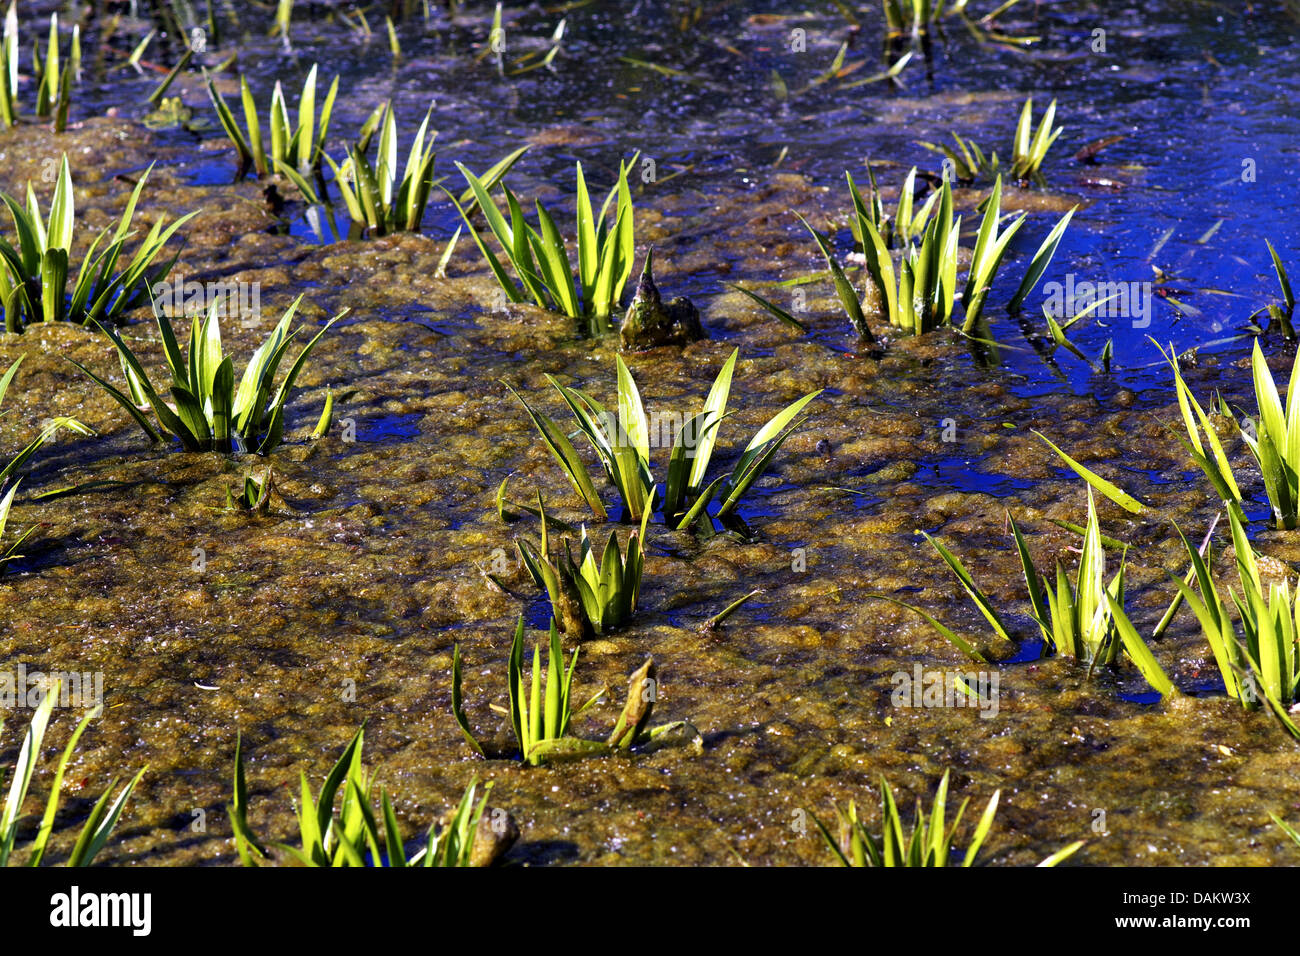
(1072, 618)
(103, 816)
(968, 161)
(907, 222)
(355, 835)
(295, 149)
(207, 412)
(54, 74)
(986, 258)
(374, 196)
(1273, 438)
(8, 552)
(930, 842)
(1263, 663)
(1030, 146)
(1282, 314)
(920, 295)
(1076, 618)
(606, 589)
(622, 443)
(1203, 442)
(540, 723)
(917, 18)
(33, 276)
(255, 495)
(540, 718)
(540, 261)
(9, 105)
(1286, 828)
(1029, 149)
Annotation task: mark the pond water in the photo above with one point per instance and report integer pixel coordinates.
(343, 604)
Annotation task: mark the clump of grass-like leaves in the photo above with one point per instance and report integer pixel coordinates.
(622, 443)
(606, 590)
(1029, 149)
(8, 551)
(295, 149)
(1076, 618)
(1274, 440)
(53, 73)
(541, 708)
(207, 412)
(354, 835)
(375, 196)
(920, 294)
(33, 276)
(930, 841)
(1263, 663)
(540, 261)
(103, 816)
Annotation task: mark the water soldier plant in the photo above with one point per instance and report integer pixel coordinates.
(54, 75)
(1264, 662)
(1273, 439)
(103, 816)
(1076, 618)
(907, 223)
(207, 412)
(355, 837)
(1028, 149)
(622, 444)
(540, 261)
(916, 18)
(375, 198)
(920, 295)
(1283, 315)
(930, 842)
(295, 149)
(540, 719)
(33, 277)
(606, 591)
(8, 552)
